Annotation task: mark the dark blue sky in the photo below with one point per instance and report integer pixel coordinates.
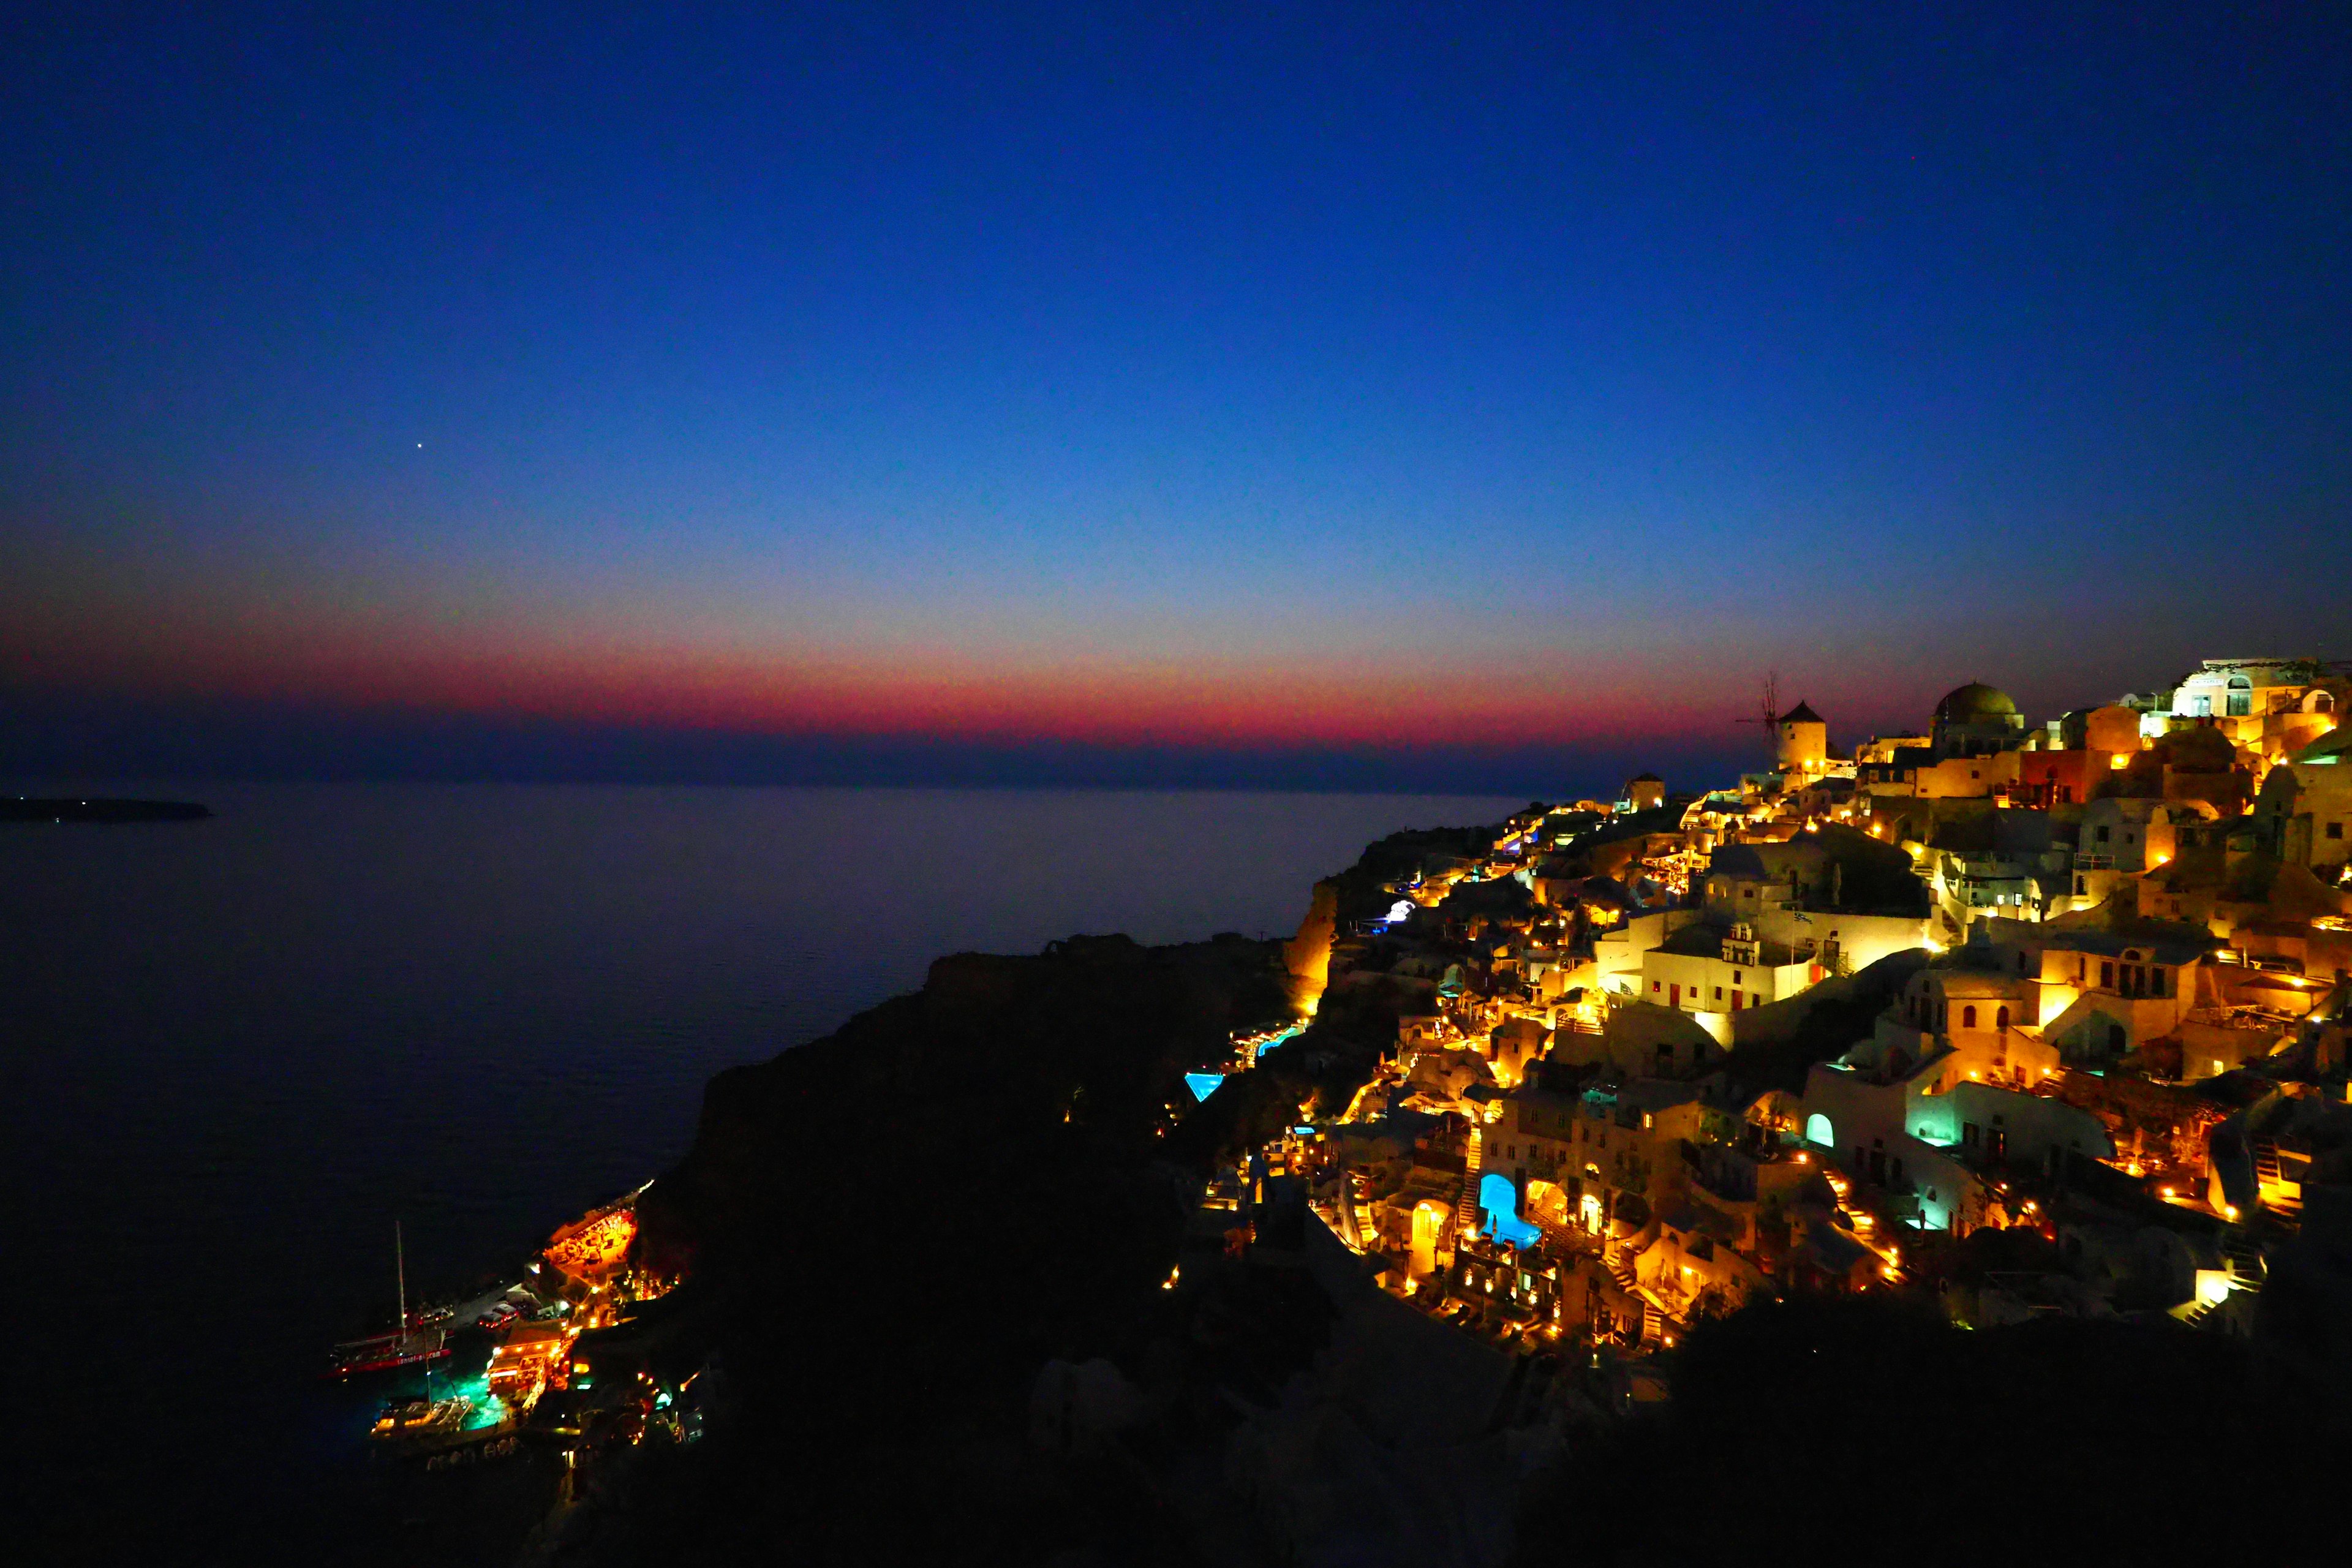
(1225, 383)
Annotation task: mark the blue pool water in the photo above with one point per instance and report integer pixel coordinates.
(1499, 1200)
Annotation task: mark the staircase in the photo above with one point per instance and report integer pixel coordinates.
(1466, 1207)
(1620, 1259)
(2267, 1164)
(2242, 1256)
(2245, 1256)
(2284, 1211)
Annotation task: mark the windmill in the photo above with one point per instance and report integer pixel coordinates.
(1769, 715)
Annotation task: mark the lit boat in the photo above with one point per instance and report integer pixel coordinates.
(409, 1345)
(422, 1423)
(387, 1352)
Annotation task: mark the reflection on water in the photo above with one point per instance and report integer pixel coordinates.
(237, 1050)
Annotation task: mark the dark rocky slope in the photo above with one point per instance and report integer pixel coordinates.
(895, 1228)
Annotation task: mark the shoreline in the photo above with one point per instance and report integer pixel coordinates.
(1448, 1169)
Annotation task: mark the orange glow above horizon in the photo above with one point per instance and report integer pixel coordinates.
(938, 691)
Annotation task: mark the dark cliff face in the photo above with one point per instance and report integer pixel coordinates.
(1001, 1067)
(898, 1224)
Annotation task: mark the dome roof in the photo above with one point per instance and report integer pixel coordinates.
(1974, 703)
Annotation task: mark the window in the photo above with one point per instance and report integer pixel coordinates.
(1967, 1017)
(2000, 1019)
(2081, 884)
(2334, 830)
(2103, 834)
(1656, 986)
(2106, 976)
(1718, 992)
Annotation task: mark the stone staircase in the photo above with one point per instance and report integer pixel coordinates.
(1620, 1259)
(2284, 1211)
(2245, 1259)
(2243, 1256)
(1466, 1207)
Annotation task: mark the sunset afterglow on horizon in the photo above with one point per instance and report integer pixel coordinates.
(1365, 382)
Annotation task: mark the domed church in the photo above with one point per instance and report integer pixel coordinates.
(1976, 721)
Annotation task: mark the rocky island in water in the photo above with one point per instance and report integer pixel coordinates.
(1917, 1146)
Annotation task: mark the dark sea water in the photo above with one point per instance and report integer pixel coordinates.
(235, 1051)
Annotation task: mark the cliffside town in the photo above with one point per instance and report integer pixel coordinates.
(2084, 981)
(1603, 1183)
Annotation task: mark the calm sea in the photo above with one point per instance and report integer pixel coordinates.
(236, 1051)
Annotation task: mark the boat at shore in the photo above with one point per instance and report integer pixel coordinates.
(386, 1353)
(413, 1424)
(410, 1344)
